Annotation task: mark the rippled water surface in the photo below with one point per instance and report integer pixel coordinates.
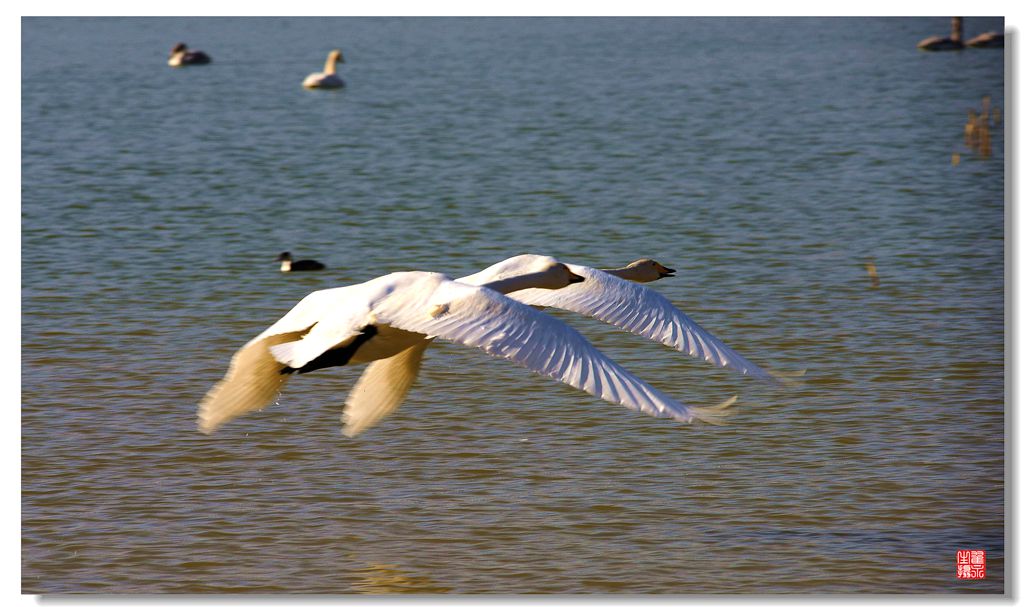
(768, 161)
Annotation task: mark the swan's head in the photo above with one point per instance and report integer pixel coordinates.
(648, 270)
(336, 55)
(286, 256)
(572, 277)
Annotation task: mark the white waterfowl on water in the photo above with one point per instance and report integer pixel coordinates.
(327, 79)
(394, 318)
(613, 296)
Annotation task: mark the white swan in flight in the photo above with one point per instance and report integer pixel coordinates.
(327, 79)
(392, 319)
(614, 297)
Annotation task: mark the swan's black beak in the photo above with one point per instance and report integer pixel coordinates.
(664, 272)
(574, 278)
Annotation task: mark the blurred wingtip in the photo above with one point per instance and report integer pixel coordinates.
(715, 414)
(789, 378)
(205, 424)
(351, 431)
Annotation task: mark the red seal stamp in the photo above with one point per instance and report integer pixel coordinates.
(970, 564)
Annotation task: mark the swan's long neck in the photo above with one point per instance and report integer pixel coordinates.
(331, 65)
(539, 280)
(624, 273)
(632, 273)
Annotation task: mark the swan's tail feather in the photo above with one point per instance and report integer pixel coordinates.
(715, 414)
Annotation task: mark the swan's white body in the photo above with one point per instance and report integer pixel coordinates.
(614, 297)
(327, 79)
(407, 310)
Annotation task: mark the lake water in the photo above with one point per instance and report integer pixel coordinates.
(766, 160)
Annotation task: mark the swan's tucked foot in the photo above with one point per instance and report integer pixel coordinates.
(714, 414)
(296, 357)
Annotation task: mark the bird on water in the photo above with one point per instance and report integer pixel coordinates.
(953, 42)
(987, 40)
(181, 55)
(327, 79)
(302, 265)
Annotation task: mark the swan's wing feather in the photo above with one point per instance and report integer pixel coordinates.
(254, 377)
(640, 310)
(252, 382)
(381, 389)
(482, 318)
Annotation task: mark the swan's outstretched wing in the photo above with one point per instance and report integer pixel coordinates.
(254, 377)
(252, 382)
(319, 305)
(640, 310)
(381, 389)
(482, 318)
